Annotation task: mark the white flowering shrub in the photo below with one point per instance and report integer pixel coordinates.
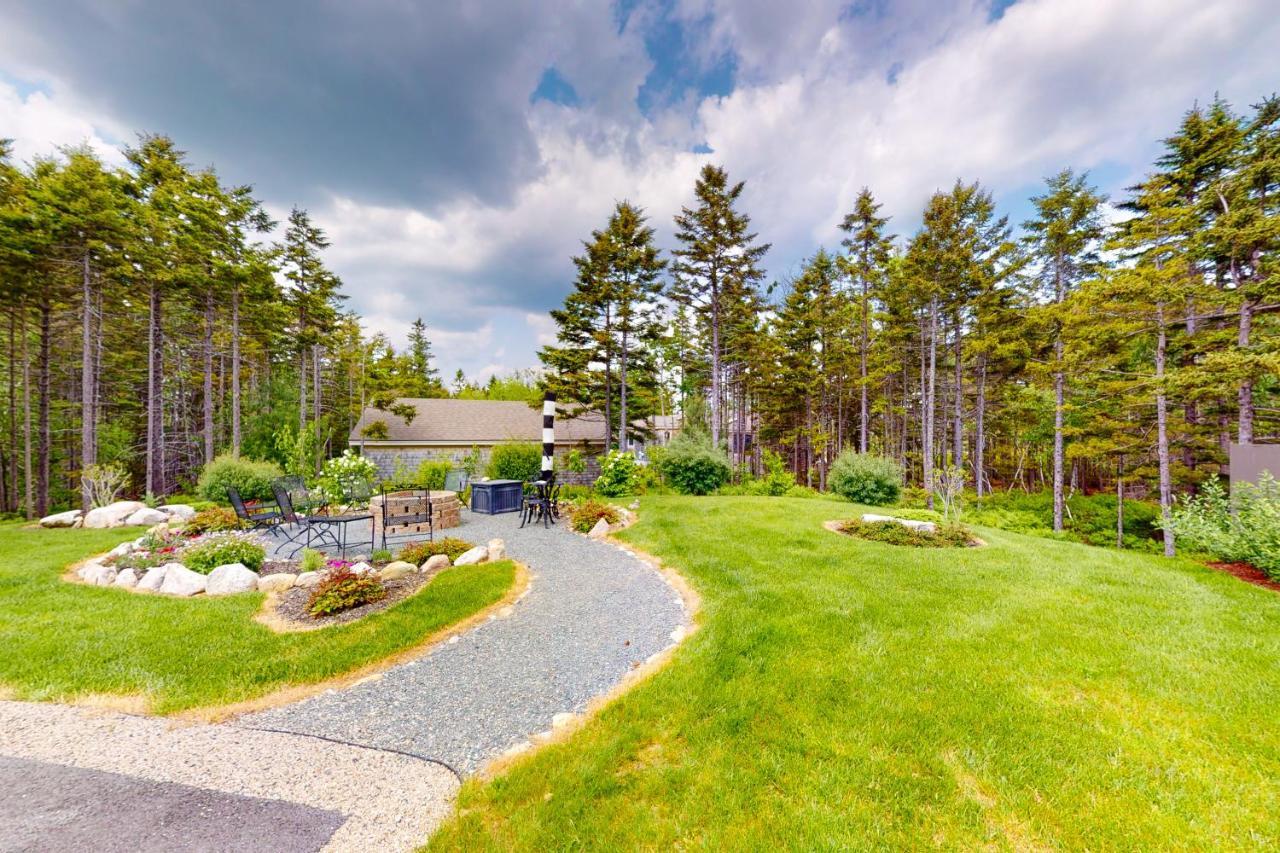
(345, 474)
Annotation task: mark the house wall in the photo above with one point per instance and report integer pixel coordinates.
(409, 457)
(1249, 461)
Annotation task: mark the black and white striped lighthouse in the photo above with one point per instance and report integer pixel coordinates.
(548, 435)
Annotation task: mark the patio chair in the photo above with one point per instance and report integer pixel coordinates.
(290, 516)
(258, 518)
(537, 504)
(358, 494)
(303, 499)
(407, 508)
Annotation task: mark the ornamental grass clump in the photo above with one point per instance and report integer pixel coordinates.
(218, 549)
(342, 590)
(584, 516)
(418, 552)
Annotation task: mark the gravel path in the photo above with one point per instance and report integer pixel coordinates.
(593, 612)
(382, 800)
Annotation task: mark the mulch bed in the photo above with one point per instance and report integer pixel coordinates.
(1247, 573)
(278, 567)
(291, 605)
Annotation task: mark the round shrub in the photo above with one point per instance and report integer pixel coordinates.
(432, 473)
(418, 552)
(517, 460)
(866, 478)
(219, 549)
(251, 478)
(585, 515)
(693, 466)
(342, 590)
(343, 476)
(619, 475)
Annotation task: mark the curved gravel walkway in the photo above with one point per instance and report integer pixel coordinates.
(593, 612)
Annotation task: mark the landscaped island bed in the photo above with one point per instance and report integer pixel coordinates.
(846, 693)
(67, 641)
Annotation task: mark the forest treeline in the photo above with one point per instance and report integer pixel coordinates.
(1101, 344)
(149, 324)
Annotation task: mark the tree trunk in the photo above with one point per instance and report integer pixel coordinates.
(715, 365)
(1162, 433)
(235, 370)
(27, 471)
(1120, 503)
(1059, 397)
(208, 377)
(87, 426)
(980, 434)
(1244, 394)
(930, 400)
(315, 397)
(155, 383)
(622, 393)
(957, 424)
(11, 493)
(302, 389)
(864, 406)
(44, 435)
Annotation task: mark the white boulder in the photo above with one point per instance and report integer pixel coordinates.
(497, 549)
(120, 550)
(278, 582)
(398, 569)
(154, 577)
(361, 568)
(178, 512)
(436, 562)
(61, 519)
(98, 574)
(181, 581)
(477, 554)
(126, 579)
(112, 515)
(922, 526)
(146, 517)
(307, 579)
(231, 579)
(600, 530)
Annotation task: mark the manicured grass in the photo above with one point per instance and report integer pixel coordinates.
(849, 694)
(65, 640)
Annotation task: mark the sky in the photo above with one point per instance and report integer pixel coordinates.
(458, 154)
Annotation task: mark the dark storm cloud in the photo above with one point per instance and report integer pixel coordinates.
(390, 102)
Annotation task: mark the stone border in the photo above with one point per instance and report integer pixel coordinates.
(565, 724)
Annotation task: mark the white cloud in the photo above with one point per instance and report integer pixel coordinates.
(40, 123)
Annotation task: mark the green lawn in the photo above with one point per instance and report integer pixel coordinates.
(848, 694)
(63, 640)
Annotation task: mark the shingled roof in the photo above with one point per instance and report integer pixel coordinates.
(475, 422)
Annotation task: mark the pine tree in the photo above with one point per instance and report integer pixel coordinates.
(716, 270)
(866, 262)
(424, 379)
(1064, 238)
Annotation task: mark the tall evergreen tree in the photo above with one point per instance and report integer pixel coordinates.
(866, 262)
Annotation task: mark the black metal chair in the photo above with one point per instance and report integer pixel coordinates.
(456, 481)
(258, 518)
(304, 500)
(358, 494)
(537, 504)
(407, 508)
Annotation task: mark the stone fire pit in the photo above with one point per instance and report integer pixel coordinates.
(446, 511)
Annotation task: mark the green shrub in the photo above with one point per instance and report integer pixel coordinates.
(693, 466)
(584, 516)
(618, 475)
(382, 555)
(218, 549)
(418, 552)
(252, 479)
(432, 473)
(213, 520)
(1088, 518)
(865, 478)
(342, 590)
(516, 460)
(573, 494)
(1244, 526)
(893, 533)
(312, 560)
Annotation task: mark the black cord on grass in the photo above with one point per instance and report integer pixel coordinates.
(446, 765)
